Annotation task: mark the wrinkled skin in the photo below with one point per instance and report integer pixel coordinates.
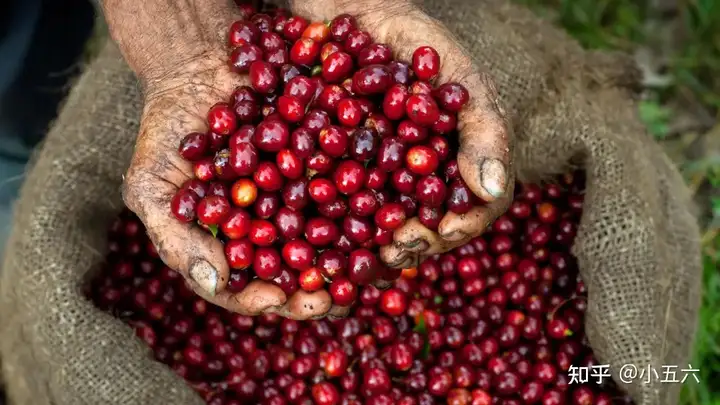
(179, 52)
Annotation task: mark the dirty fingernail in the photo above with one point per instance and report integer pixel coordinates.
(453, 236)
(413, 243)
(493, 177)
(205, 276)
(417, 247)
(398, 261)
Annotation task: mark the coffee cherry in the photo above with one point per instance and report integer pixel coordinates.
(426, 63)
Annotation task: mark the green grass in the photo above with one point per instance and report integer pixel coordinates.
(693, 72)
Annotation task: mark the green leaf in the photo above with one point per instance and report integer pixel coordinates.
(213, 230)
(656, 117)
(420, 326)
(425, 353)
(438, 299)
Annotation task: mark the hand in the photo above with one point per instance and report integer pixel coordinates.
(179, 52)
(486, 143)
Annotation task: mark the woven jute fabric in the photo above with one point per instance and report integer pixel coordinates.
(637, 246)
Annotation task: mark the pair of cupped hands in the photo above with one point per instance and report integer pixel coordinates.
(179, 51)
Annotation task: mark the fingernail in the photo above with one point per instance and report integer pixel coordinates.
(205, 276)
(413, 243)
(398, 262)
(419, 247)
(453, 236)
(493, 177)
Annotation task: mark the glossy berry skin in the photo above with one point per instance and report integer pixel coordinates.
(304, 52)
(364, 144)
(317, 31)
(291, 108)
(363, 203)
(431, 191)
(349, 112)
(373, 79)
(334, 141)
(376, 179)
(321, 231)
(267, 263)
(426, 63)
(295, 194)
(362, 267)
(459, 198)
(262, 232)
(452, 96)
(244, 158)
(390, 216)
(243, 56)
(311, 279)
(194, 146)
(390, 154)
(271, 136)
(222, 165)
(239, 253)
(341, 26)
(342, 291)
(294, 28)
(298, 254)
(324, 393)
(356, 41)
(422, 160)
(430, 217)
(322, 190)
(404, 181)
(221, 119)
(337, 67)
(374, 54)
(290, 224)
(331, 263)
(349, 177)
(289, 165)
(183, 205)
(302, 88)
(422, 109)
(268, 177)
(263, 77)
(393, 302)
(302, 143)
(357, 229)
(394, 102)
(243, 32)
(445, 124)
(329, 49)
(237, 224)
(212, 210)
(243, 193)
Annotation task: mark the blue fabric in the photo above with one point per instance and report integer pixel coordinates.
(14, 153)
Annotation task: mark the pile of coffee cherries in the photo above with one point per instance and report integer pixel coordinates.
(498, 321)
(307, 172)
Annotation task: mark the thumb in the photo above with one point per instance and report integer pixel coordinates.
(314, 10)
(185, 247)
(485, 154)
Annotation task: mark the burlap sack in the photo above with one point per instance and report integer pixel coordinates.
(637, 247)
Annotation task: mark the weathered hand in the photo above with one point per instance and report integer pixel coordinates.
(180, 55)
(485, 155)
